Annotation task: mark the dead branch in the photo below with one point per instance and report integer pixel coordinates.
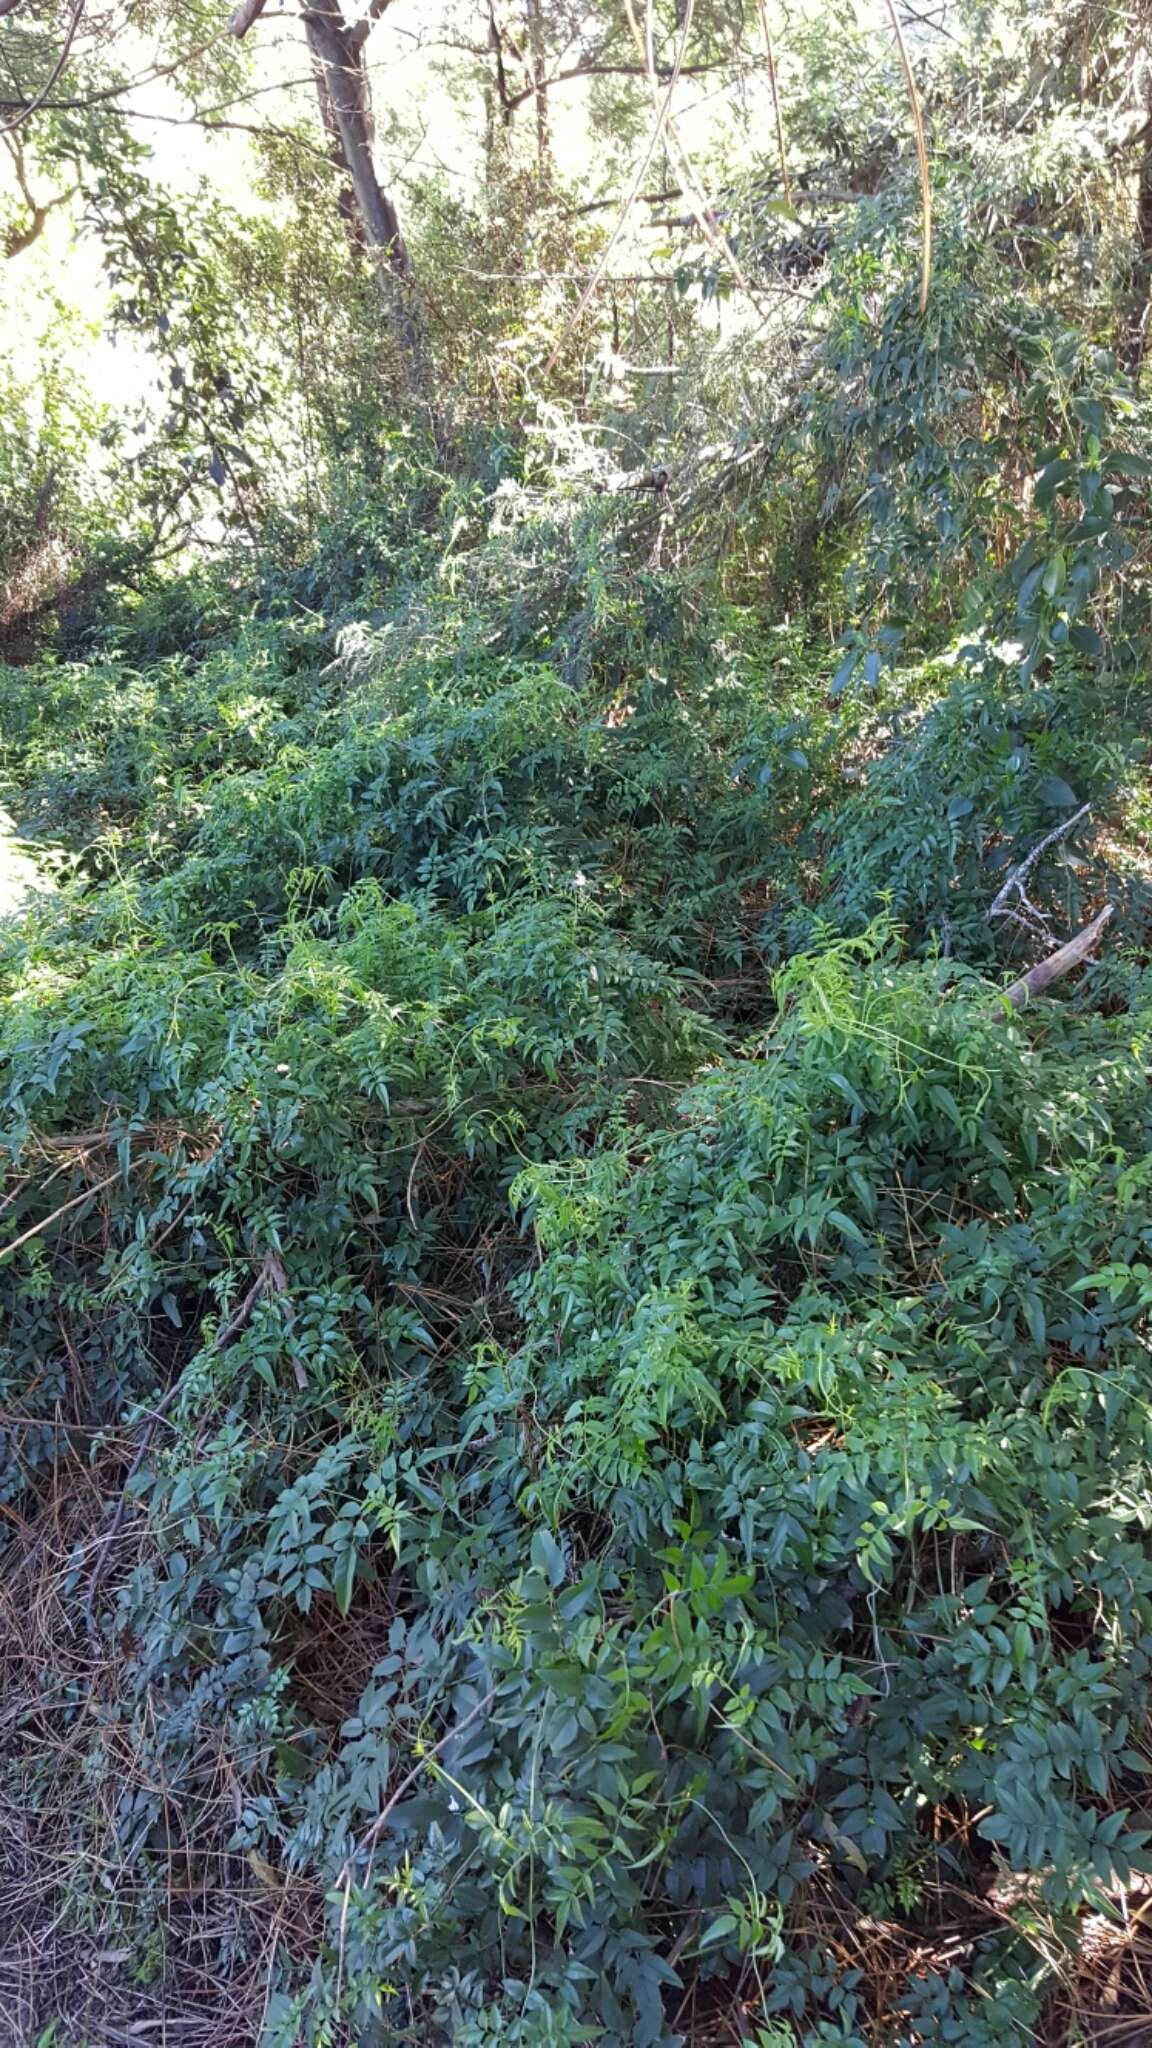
(1017, 876)
(85, 1195)
(702, 211)
(632, 192)
(1061, 962)
(921, 158)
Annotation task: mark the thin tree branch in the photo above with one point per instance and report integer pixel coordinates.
(1017, 876)
(37, 102)
(714, 235)
(921, 157)
(594, 69)
(646, 198)
(85, 1195)
(770, 56)
(373, 1834)
(208, 122)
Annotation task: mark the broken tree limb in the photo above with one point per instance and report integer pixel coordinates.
(241, 18)
(1061, 962)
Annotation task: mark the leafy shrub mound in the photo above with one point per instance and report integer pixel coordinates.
(564, 1485)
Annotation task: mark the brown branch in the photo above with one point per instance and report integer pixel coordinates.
(921, 158)
(596, 70)
(1061, 962)
(646, 199)
(770, 56)
(19, 239)
(84, 1196)
(210, 122)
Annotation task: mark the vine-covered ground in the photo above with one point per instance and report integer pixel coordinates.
(575, 1424)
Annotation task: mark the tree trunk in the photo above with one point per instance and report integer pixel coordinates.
(539, 80)
(337, 52)
(1135, 339)
(349, 213)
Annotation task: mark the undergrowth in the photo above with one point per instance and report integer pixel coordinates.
(573, 1376)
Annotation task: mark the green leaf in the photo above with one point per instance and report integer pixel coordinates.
(294, 1762)
(1056, 792)
(344, 1578)
(548, 1557)
(1050, 478)
(960, 807)
(1122, 464)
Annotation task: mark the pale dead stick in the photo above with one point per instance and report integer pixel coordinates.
(1058, 963)
(921, 158)
(716, 239)
(372, 1835)
(85, 1195)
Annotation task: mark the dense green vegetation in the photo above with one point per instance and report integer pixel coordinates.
(575, 1446)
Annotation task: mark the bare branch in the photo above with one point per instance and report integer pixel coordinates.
(37, 102)
(593, 69)
(705, 217)
(633, 189)
(373, 1834)
(921, 158)
(770, 55)
(1017, 876)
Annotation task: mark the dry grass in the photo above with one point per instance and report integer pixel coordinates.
(171, 1942)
